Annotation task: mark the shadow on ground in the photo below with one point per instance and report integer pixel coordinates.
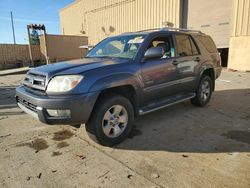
(222, 126)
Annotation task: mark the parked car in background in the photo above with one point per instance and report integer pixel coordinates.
(122, 77)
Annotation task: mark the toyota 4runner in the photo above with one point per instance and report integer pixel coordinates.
(120, 78)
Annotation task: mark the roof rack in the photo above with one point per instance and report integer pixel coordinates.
(154, 29)
(166, 29)
(179, 29)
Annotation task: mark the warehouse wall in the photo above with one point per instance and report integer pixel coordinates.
(71, 19)
(100, 18)
(241, 18)
(63, 47)
(239, 56)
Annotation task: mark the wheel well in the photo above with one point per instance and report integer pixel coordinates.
(210, 72)
(127, 91)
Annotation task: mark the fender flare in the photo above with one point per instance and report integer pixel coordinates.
(114, 80)
(203, 68)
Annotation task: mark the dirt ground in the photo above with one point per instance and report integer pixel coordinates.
(180, 146)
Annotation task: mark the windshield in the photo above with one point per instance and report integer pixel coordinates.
(118, 47)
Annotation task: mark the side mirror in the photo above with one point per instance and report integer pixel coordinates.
(153, 52)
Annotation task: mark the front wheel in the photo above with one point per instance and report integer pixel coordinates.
(111, 120)
(204, 92)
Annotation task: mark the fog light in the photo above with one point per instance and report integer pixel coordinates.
(58, 113)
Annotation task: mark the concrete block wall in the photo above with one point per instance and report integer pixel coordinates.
(63, 47)
(13, 55)
(59, 47)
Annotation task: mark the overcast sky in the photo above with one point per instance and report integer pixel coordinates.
(26, 12)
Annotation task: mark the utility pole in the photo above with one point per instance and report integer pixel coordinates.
(13, 29)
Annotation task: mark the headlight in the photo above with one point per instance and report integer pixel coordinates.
(63, 83)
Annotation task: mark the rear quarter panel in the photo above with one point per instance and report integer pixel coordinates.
(208, 60)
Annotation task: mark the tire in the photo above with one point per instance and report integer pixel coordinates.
(111, 121)
(203, 92)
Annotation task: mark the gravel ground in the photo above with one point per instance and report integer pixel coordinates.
(180, 146)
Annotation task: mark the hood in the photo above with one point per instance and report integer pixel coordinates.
(75, 66)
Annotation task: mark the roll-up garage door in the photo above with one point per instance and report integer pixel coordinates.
(211, 17)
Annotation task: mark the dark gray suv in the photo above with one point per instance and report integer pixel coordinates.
(120, 78)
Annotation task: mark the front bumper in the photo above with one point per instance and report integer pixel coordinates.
(80, 106)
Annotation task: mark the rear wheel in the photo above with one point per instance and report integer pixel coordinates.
(111, 120)
(204, 92)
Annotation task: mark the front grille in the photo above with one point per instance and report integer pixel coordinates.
(27, 104)
(35, 81)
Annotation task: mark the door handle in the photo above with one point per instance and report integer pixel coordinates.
(175, 62)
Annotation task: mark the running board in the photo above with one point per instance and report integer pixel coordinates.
(165, 103)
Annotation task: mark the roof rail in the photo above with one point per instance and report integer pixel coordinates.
(179, 29)
(154, 29)
(166, 29)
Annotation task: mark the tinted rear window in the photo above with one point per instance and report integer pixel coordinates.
(208, 43)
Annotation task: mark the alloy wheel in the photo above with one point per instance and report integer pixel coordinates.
(115, 121)
(205, 90)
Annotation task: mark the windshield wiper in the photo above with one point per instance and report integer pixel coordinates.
(122, 57)
(106, 56)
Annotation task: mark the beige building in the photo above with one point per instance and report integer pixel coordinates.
(239, 48)
(227, 21)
